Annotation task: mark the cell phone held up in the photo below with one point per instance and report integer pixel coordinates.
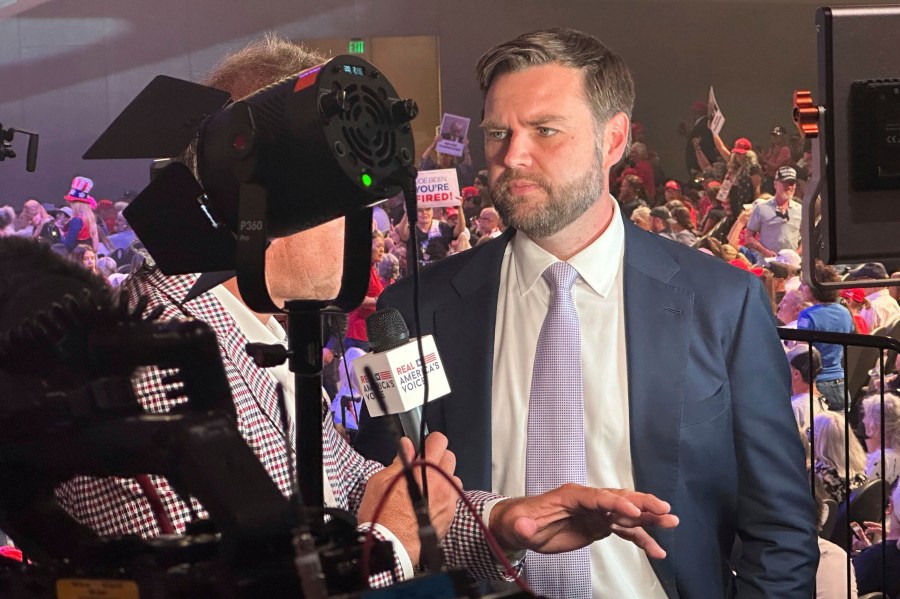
(860, 534)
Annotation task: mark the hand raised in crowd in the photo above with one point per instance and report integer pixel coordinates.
(397, 514)
(574, 516)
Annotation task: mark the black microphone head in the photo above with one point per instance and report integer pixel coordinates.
(386, 330)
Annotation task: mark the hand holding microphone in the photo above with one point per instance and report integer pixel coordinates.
(397, 515)
(399, 372)
(397, 378)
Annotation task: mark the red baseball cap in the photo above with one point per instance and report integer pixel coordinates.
(673, 184)
(856, 294)
(469, 191)
(742, 145)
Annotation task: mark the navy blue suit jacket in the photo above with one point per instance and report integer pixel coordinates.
(712, 430)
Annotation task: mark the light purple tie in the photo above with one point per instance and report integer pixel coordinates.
(555, 453)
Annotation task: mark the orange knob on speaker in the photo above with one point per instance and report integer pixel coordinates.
(806, 113)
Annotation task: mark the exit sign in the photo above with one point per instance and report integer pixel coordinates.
(356, 46)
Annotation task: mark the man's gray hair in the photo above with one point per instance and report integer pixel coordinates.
(609, 87)
(871, 410)
(260, 63)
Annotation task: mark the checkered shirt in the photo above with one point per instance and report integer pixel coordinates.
(116, 506)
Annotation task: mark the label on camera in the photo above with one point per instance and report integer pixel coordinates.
(82, 588)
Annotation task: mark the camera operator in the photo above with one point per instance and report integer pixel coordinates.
(301, 266)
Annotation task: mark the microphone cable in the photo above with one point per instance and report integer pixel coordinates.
(431, 554)
(412, 247)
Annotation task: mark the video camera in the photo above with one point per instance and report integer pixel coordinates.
(6, 150)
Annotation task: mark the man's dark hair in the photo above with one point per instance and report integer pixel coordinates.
(683, 216)
(637, 184)
(608, 85)
(807, 363)
(825, 274)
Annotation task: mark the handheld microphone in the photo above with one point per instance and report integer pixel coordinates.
(398, 371)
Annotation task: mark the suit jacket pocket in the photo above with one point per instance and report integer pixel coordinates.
(696, 412)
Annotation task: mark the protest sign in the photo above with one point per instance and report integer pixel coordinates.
(454, 129)
(727, 184)
(715, 120)
(438, 188)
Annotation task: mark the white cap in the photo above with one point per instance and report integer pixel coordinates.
(789, 257)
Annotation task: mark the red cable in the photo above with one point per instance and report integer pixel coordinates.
(489, 537)
(156, 505)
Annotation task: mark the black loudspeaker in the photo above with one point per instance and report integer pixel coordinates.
(859, 89)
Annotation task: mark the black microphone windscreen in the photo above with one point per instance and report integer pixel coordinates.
(386, 330)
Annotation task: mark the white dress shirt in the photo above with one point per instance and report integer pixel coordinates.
(618, 568)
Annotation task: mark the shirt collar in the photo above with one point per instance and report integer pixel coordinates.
(246, 321)
(592, 263)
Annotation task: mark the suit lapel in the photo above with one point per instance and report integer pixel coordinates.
(464, 330)
(657, 326)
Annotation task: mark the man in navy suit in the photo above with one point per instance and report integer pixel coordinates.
(685, 385)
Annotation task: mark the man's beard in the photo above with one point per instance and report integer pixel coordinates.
(564, 203)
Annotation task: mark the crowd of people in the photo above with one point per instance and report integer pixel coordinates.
(735, 202)
(93, 234)
(746, 227)
(555, 521)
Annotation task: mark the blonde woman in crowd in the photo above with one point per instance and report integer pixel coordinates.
(82, 229)
(830, 458)
(23, 223)
(641, 217)
(41, 226)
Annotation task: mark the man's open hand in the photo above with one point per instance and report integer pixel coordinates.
(573, 516)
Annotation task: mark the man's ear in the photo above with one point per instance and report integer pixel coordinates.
(615, 138)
